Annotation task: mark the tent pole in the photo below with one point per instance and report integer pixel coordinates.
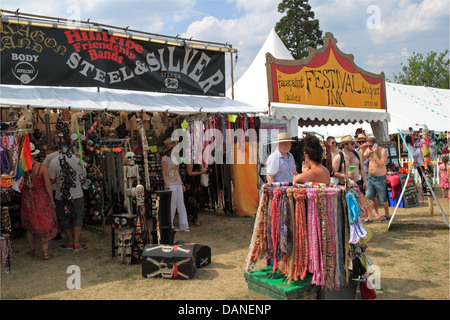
(232, 80)
(426, 180)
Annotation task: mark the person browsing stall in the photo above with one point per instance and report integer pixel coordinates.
(38, 208)
(312, 168)
(348, 163)
(71, 220)
(281, 163)
(173, 182)
(377, 181)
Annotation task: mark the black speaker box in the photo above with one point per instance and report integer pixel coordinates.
(168, 261)
(202, 253)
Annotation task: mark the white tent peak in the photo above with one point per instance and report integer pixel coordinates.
(251, 87)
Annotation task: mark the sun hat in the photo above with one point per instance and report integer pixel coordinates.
(346, 139)
(33, 149)
(284, 137)
(361, 137)
(169, 144)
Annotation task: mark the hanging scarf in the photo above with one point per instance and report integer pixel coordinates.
(256, 245)
(285, 234)
(275, 223)
(346, 238)
(269, 225)
(331, 263)
(337, 237)
(315, 265)
(301, 256)
(327, 249)
(357, 231)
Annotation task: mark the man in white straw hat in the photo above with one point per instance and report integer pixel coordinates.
(281, 164)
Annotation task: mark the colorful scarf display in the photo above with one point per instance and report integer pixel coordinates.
(307, 228)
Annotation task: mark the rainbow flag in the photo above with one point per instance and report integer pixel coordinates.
(25, 160)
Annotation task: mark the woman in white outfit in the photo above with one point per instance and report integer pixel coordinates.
(173, 182)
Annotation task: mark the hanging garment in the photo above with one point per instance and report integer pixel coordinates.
(315, 265)
(357, 231)
(326, 238)
(301, 252)
(275, 224)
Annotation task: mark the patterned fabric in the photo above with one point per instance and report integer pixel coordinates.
(330, 194)
(327, 249)
(301, 257)
(258, 243)
(275, 224)
(285, 233)
(38, 213)
(443, 179)
(364, 203)
(315, 265)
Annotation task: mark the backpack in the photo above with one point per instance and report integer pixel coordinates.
(341, 154)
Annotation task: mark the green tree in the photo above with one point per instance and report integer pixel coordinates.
(431, 71)
(298, 29)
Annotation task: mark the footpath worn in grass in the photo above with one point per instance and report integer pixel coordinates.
(412, 259)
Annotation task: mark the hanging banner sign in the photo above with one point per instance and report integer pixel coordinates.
(41, 56)
(327, 77)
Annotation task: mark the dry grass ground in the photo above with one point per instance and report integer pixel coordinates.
(412, 257)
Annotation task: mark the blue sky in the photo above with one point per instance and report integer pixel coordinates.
(381, 34)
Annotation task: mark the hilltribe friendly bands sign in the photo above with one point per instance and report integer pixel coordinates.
(56, 57)
(327, 77)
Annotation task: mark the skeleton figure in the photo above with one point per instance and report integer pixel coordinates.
(130, 171)
(125, 241)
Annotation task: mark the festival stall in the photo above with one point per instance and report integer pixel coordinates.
(312, 241)
(311, 236)
(111, 97)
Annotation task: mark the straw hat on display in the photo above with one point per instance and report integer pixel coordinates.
(346, 139)
(284, 137)
(33, 149)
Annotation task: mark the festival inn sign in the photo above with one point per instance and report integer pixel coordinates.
(327, 77)
(45, 56)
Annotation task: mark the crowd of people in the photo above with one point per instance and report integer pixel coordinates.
(356, 158)
(46, 215)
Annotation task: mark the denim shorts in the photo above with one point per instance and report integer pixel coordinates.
(377, 187)
(72, 219)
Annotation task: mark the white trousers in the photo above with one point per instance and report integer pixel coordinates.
(177, 205)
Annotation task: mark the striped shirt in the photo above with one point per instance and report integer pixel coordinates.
(281, 167)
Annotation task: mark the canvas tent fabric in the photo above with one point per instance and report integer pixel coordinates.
(409, 106)
(90, 99)
(251, 87)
